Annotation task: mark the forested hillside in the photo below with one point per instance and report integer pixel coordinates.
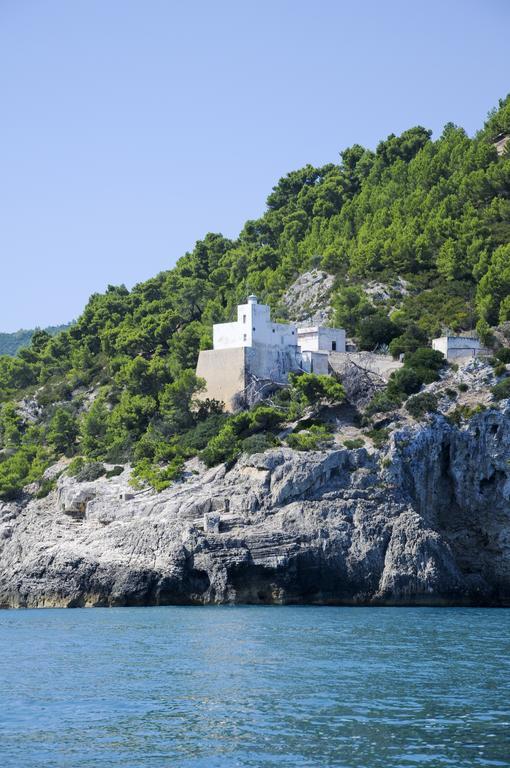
(118, 384)
(10, 343)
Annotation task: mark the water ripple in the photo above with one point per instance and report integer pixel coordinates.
(255, 687)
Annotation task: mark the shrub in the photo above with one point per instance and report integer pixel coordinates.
(313, 388)
(47, 485)
(76, 465)
(499, 369)
(114, 472)
(451, 393)
(379, 437)
(502, 389)
(383, 402)
(63, 431)
(159, 477)
(196, 439)
(258, 443)
(463, 412)
(91, 470)
(224, 447)
(313, 439)
(405, 381)
(462, 387)
(419, 405)
(376, 330)
(420, 367)
(427, 358)
(412, 339)
(352, 444)
(503, 355)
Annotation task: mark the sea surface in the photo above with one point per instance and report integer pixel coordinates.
(197, 687)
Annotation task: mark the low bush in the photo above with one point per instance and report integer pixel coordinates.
(383, 402)
(47, 485)
(159, 477)
(463, 413)
(114, 472)
(501, 390)
(91, 470)
(462, 387)
(196, 439)
(405, 381)
(503, 355)
(258, 443)
(224, 447)
(419, 405)
(227, 444)
(352, 444)
(314, 389)
(315, 438)
(379, 437)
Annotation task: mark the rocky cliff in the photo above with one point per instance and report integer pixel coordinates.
(426, 521)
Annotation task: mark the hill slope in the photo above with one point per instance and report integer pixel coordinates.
(119, 383)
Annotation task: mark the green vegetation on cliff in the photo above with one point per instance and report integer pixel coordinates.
(119, 384)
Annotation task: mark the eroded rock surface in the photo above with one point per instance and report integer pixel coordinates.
(425, 522)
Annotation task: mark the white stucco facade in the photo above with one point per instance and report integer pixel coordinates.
(253, 326)
(320, 339)
(456, 347)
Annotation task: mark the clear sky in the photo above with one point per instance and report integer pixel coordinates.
(130, 128)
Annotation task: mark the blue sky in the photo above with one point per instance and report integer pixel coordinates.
(130, 128)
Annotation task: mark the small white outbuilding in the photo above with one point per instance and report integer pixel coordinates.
(458, 347)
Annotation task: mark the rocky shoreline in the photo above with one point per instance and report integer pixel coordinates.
(424, 522)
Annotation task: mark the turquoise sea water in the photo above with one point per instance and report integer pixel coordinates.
(255, 686)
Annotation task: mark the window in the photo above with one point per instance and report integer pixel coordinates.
(244, 337)
(274, 330)
(244, 318)
(253, 328)
(333, 346)
(292, 333)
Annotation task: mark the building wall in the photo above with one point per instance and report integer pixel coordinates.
(253, 326)
(315, 362)
(458, 353)
(225, 373)
(230, 336)
(272, 362)
(318, 339)
(455, 347)
(382, 365)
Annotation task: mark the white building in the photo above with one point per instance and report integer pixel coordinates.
(457, 347)
(320, 339)
(252, 354)
(253, 326)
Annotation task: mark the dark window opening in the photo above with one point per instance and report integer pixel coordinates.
(333, 346)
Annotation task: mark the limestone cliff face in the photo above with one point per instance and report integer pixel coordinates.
(426, 522)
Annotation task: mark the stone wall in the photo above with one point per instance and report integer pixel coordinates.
(382, 365)
(225, 373)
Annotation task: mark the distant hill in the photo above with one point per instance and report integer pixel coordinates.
(11, 342)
